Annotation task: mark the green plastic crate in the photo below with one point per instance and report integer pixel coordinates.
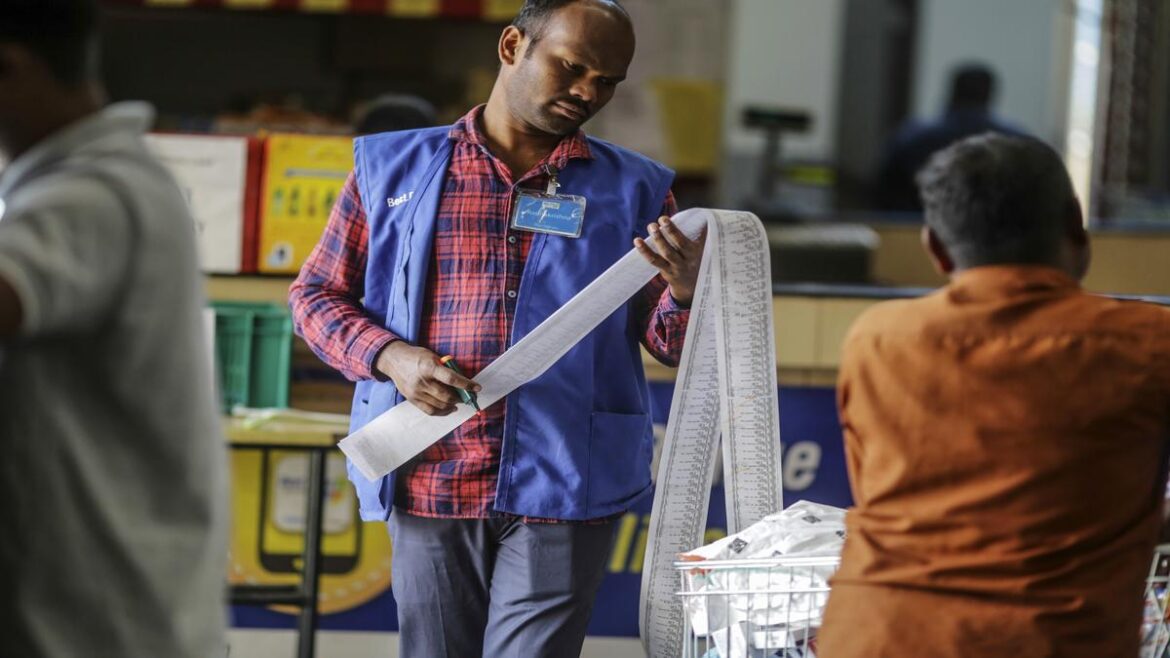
(233, 347)
(271, 358)
(254, 351)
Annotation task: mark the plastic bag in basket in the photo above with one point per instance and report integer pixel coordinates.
(781, 604)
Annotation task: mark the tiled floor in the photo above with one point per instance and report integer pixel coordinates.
(278, 644)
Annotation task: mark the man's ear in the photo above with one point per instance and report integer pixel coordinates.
(1077, 237)
(937, 252)
(1074, 225)
(511, 45)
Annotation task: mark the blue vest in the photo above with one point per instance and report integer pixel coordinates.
(577, 440)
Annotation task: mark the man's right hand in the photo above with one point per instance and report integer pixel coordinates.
(420, 378)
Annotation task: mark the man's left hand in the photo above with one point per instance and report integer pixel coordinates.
(677, 258)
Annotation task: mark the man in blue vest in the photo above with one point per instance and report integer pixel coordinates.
(459, 241)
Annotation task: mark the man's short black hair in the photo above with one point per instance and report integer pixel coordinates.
(60, 32)
(534, 15)
(998, 199)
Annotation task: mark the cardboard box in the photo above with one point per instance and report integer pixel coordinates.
(303, 177)
(220, 178)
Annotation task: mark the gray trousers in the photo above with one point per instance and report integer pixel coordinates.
(495, 587)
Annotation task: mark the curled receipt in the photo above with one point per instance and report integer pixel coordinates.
(726, 386)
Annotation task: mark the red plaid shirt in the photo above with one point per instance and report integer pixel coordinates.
(467, 312)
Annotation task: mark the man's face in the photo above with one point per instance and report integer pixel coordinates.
(559, 82)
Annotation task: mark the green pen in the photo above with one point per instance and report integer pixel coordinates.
(467, 396)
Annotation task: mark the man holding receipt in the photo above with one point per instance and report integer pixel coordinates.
(446, 247)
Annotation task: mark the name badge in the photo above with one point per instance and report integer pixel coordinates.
(558, 214)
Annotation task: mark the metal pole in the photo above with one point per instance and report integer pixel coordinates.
(312, 552)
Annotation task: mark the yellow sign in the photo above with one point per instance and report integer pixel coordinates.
(414, 8)
(501, 10)
(303, 177)
(690, 114)
(629, 548)
(268, 495)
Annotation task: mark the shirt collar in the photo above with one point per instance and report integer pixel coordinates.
(571, 147)
(997, 281)
(130, 117)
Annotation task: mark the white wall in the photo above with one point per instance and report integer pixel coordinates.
(1027, 42)
(677, 39)
(784, 53)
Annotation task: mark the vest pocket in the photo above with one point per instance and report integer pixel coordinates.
(374, 498)
(619, 456)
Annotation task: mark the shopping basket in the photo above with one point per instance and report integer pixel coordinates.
(754, 608)
(1155, 631)
(772, 607)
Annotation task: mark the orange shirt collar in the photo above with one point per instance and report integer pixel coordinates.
(1007, 280)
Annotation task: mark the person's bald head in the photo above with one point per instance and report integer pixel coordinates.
(535, 14)
(561, 61)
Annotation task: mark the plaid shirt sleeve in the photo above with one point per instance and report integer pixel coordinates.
(326, 297)
(662, 322)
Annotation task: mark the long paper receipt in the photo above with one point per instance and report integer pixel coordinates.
(398, 435)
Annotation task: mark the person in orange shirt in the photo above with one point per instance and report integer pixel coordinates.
(1006, 436)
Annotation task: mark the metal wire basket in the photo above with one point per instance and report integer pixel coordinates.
(1155, 630)
(771, 608)
(759, 608)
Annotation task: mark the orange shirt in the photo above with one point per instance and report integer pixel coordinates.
(1006, 441)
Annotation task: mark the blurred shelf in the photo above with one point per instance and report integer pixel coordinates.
(286, 431)
(248, 288)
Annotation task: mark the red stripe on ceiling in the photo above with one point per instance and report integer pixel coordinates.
(461, 9)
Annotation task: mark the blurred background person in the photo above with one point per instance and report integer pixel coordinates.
(112, 471)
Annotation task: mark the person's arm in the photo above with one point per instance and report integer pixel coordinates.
(1161, 365)
(326, 297)
(853, 456)
(853, 368)
(662, 308)
(64, 260)
(327, 312)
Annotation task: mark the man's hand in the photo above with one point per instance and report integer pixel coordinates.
(678, 257)
(420, 378)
